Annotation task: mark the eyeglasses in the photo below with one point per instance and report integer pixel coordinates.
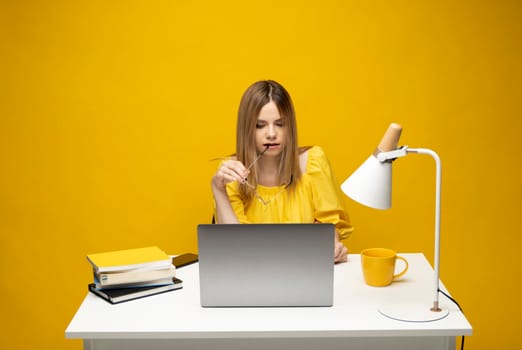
(252, 164)
(258, 157)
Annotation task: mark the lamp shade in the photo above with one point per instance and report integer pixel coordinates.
(370, 184)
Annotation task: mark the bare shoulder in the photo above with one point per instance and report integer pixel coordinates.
(312, 158)
(303, 158)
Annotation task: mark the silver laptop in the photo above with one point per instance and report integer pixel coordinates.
(266, 264)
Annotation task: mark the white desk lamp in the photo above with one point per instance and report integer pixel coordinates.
(371, 185)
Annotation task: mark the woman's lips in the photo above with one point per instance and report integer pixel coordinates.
(271, 145)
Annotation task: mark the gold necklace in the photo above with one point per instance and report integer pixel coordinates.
(267, 202)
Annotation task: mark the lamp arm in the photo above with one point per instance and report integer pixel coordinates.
(436, 266)
(391, 155)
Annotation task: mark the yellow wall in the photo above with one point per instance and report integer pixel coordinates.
(111, 110)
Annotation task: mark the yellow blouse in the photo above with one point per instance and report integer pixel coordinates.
(316, 198)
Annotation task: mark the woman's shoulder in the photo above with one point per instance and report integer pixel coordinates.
(312, 152)
(312, 157)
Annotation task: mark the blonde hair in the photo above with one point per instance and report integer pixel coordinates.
(254, 98)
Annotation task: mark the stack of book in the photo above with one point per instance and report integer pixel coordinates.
(129, 274)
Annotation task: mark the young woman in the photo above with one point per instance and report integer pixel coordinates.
(270, 179)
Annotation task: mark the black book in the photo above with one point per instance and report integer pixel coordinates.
(118, 295)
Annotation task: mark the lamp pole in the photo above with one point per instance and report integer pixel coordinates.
(436, 257)
(401, 152)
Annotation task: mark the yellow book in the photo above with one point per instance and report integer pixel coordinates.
(121, 260)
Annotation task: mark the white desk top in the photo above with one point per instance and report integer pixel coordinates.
(178, 314)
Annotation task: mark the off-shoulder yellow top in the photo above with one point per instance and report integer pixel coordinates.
(316, 198)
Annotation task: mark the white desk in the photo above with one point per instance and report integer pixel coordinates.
(175, 320)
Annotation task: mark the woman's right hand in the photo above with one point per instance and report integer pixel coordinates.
(229, 171)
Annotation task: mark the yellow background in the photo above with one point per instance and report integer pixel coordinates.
(111, 110)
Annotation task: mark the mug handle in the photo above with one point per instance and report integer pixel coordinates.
(405, 268)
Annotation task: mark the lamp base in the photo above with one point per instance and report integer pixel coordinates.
(412, 312)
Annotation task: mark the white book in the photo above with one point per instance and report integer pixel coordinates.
(105, 279)
(119, 295)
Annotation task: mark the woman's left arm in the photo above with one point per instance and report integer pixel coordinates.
(328, 202)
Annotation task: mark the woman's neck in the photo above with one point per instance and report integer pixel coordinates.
(268, 171)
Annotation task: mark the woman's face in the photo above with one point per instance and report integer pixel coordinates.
(270, 130)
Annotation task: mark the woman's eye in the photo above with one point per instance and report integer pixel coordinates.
(259, 126)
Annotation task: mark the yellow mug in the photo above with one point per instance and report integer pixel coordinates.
(378, 266)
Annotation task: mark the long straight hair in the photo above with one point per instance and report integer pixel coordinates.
(254, 98)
